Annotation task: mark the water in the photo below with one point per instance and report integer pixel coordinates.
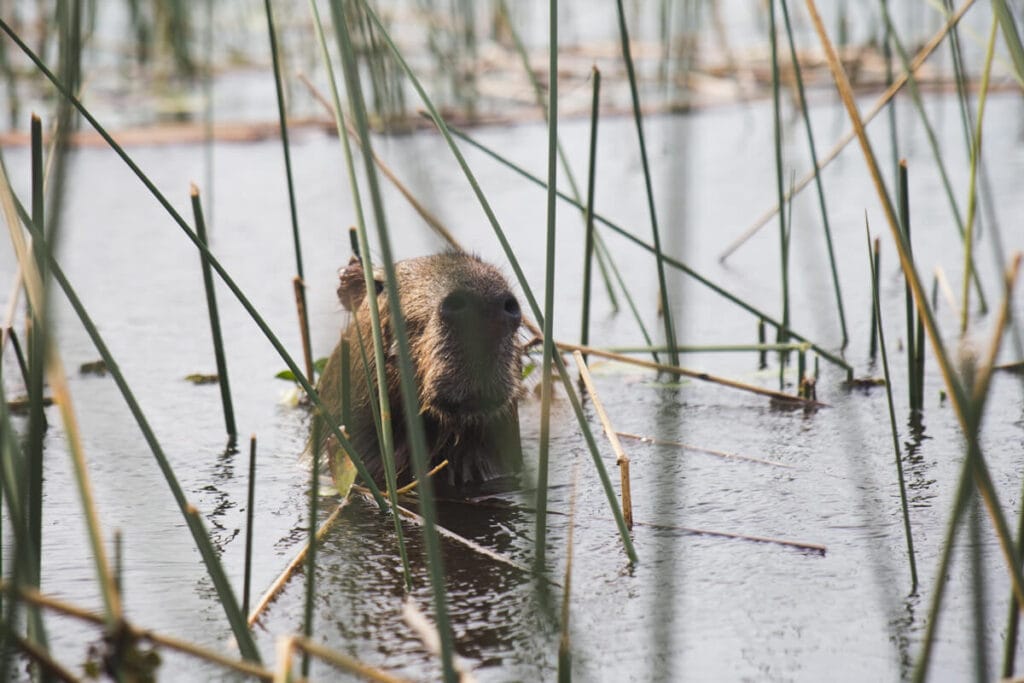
(696, 606)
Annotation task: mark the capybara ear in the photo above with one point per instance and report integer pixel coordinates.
(352, 284)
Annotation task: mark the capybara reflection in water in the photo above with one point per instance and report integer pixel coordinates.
(462, 322)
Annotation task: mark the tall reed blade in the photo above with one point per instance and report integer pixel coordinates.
(37, 341)
(903, 196)
(314, 502)
(211, 306)
(666, 310)
(249, 512)
(781, 336)
(588, 250)
(875, 325)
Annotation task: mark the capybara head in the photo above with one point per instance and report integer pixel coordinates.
(462, 321)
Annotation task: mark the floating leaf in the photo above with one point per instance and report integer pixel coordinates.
(199, 378)
(97, 367)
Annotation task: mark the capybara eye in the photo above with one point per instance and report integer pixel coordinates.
(511, 306)
(454, 304)
(378, 286)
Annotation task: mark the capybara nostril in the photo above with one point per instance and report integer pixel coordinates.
(455, 305)
(510, 309)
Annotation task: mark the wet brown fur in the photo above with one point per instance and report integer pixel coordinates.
(462, 324)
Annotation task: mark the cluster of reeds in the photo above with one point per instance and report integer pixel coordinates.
(364, 44)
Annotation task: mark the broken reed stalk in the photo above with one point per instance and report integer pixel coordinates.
(564, 640)
(805, 112)
(37, 333)
(799, 545)
(215, 331)
(343, 662)
(933, 143)
(972, 193)
(967, 407)
(873, 261)
(540, 535)
(851, 134)
(361, 247)
(666, 310)
(54, 604)
(668, 260)
(903, 196)
(588, 248)
(621, 459)
(780, 190)
(524, 284)
(410, 394)
(698, 449)
(278, 584)
(683, 372)
(876, 260)
(300, 307)
(209, 555)
(249, 512)
(283, 120)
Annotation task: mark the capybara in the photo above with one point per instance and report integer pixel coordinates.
(462, 322)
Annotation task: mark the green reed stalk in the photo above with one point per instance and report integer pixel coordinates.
(1010, 35)
(540, 535)
(933, 143)
(410, 397)
(873, 260)
(875, 271)
(303, 381)
(588, 250)
(314, 503)
(668, 260)
(249, 512)
(780, 190)
(1013, 612)
(283, 118)
(670, 334)
(382, 419)
(37, 342)
(972, 193)
(805, 111)
(523, 283)
(211, 306)
(564, 641)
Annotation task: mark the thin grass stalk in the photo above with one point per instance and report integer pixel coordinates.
(208, 553)
(410, 398)
(666, 311)
(215, 332)
(957, 392)
(780, 190)
(300, 308)
(382, 418)
(668, 260)
(37, 342)
(1009, 26)
(890, 110)
(531, 300)
(540, 534)
(872, 259)
(979, 613)
(850, 135)
(249, 514)
(805, 111)
(936, 151)
(588, 249)
(19, 356)
(876, 259)
(972, 192)
(564, 640)
(215, 264)
(283, 118)
(314, 504)
(903, 197)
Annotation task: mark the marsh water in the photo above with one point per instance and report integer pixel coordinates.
(695, 607)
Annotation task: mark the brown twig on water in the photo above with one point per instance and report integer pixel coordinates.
(698, 449)
(289, 643)
(300, 307)
(621, 459)
(412, 485)
(800, 545)
(679, 371)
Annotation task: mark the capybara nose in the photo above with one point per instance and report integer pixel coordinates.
(478, 318)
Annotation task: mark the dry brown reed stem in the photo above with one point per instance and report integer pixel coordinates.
(56, 605)
(279, 583)
(947, 291)
(429, 218)
(621, 459)
(879, 105)
(283, 671)
(800, 545)
(708, 451)
(343, 662)
(46, 663)
(958, 395)
(410, 486)
(676, 370)
(300, 307)
(984, 373)
(452, 536)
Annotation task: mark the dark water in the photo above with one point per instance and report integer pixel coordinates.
(696, 606)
